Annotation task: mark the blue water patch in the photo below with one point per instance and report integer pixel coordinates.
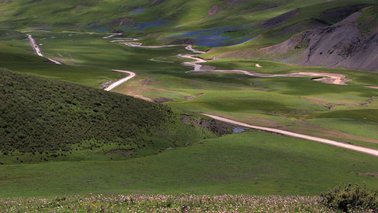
(137, 11)
(99, 28)
(238, 130)
(215, 37)
(150, 24)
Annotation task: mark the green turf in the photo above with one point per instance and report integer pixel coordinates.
(248, 163)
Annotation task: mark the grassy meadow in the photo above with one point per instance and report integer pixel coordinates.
(253, 163)
(347, 113)
(136, 147)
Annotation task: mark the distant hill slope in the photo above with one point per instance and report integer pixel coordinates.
(203, 22)
(211, 23)
(45, 119)
(351, 42)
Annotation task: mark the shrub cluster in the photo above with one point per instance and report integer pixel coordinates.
(351, 198)
(45, 116)
(166, 203)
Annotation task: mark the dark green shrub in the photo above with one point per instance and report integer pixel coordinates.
(49, 117)
(351, 198)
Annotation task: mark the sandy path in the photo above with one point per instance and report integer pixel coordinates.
(190, 48)
(121, 81)
(368, 151)
(113, 35)
(197, 64)
(38, 50)
(140, 45)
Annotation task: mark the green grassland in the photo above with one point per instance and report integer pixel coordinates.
(249, 163)
(96, 161)
(285, 167)
(297, 104)
(347, 113)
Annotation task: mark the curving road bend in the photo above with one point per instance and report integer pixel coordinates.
(121, 81)
(197, 64)
(360, 149)
(38, 50)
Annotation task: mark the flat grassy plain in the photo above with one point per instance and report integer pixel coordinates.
(249, 163)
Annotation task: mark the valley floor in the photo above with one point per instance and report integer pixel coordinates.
(252, 162)
(255, 163)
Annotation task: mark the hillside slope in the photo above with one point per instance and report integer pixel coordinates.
(205, 23)
(43, 119)
(349, 44)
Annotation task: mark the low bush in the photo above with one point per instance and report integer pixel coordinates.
(351, 198)
(51, 117)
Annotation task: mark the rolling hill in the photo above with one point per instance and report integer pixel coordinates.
(351, 42)
(258, 25)
(45, 120)
(300, 67)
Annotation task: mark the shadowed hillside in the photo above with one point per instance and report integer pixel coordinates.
(43, 119)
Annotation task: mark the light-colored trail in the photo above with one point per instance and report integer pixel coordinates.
(190, 48)
(197, 64)
(360, 149)
(121, 81)
(113, 35)
(372, 87)
(198, 67)
(38, 50)
(140, 45)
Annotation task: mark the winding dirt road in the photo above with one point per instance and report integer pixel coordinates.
(112, 35)
(368, 151)
(131, 75)
(121, 81)
(38, 50)
(197, 64)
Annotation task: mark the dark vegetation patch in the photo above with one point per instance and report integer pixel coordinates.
(351, 198)
(368, 22)
(39, 116)
(217, 127)
(217, 36)
(9, 34)
(274, 22)
(156, 2)
(162, 100)
(335, 15)
(288, 30)
(363, 115)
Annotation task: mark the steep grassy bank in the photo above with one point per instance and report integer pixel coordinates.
(43, 119)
